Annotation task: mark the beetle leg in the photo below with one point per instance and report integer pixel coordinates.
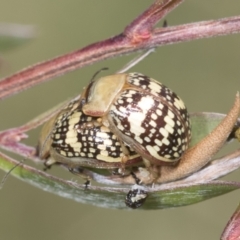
(48, 163)
(79, 171)
(153, 171)
(124, 158)
(87, 184)
(138, 181)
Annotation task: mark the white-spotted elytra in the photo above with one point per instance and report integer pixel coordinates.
(78, 140)
(143, 113)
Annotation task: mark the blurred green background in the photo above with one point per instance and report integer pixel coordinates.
(205, 73)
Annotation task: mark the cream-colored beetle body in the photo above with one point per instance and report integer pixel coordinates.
(78, 140)
(143, 113)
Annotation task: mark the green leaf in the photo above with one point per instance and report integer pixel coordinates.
(202, 124)
(14, 35)
(187, 195)
(110, 197)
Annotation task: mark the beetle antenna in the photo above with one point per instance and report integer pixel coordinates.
(96, 73)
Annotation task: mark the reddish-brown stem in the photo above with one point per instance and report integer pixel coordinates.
(141, 28)
(232, 230)
(121, 44)
(193, 31)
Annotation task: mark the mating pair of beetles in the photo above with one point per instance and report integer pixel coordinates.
(120, 122)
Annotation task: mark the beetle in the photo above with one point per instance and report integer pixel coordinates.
(143, 113)
(120, 121)
(78, 140)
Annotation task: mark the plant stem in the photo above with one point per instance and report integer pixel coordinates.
(138, 35)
